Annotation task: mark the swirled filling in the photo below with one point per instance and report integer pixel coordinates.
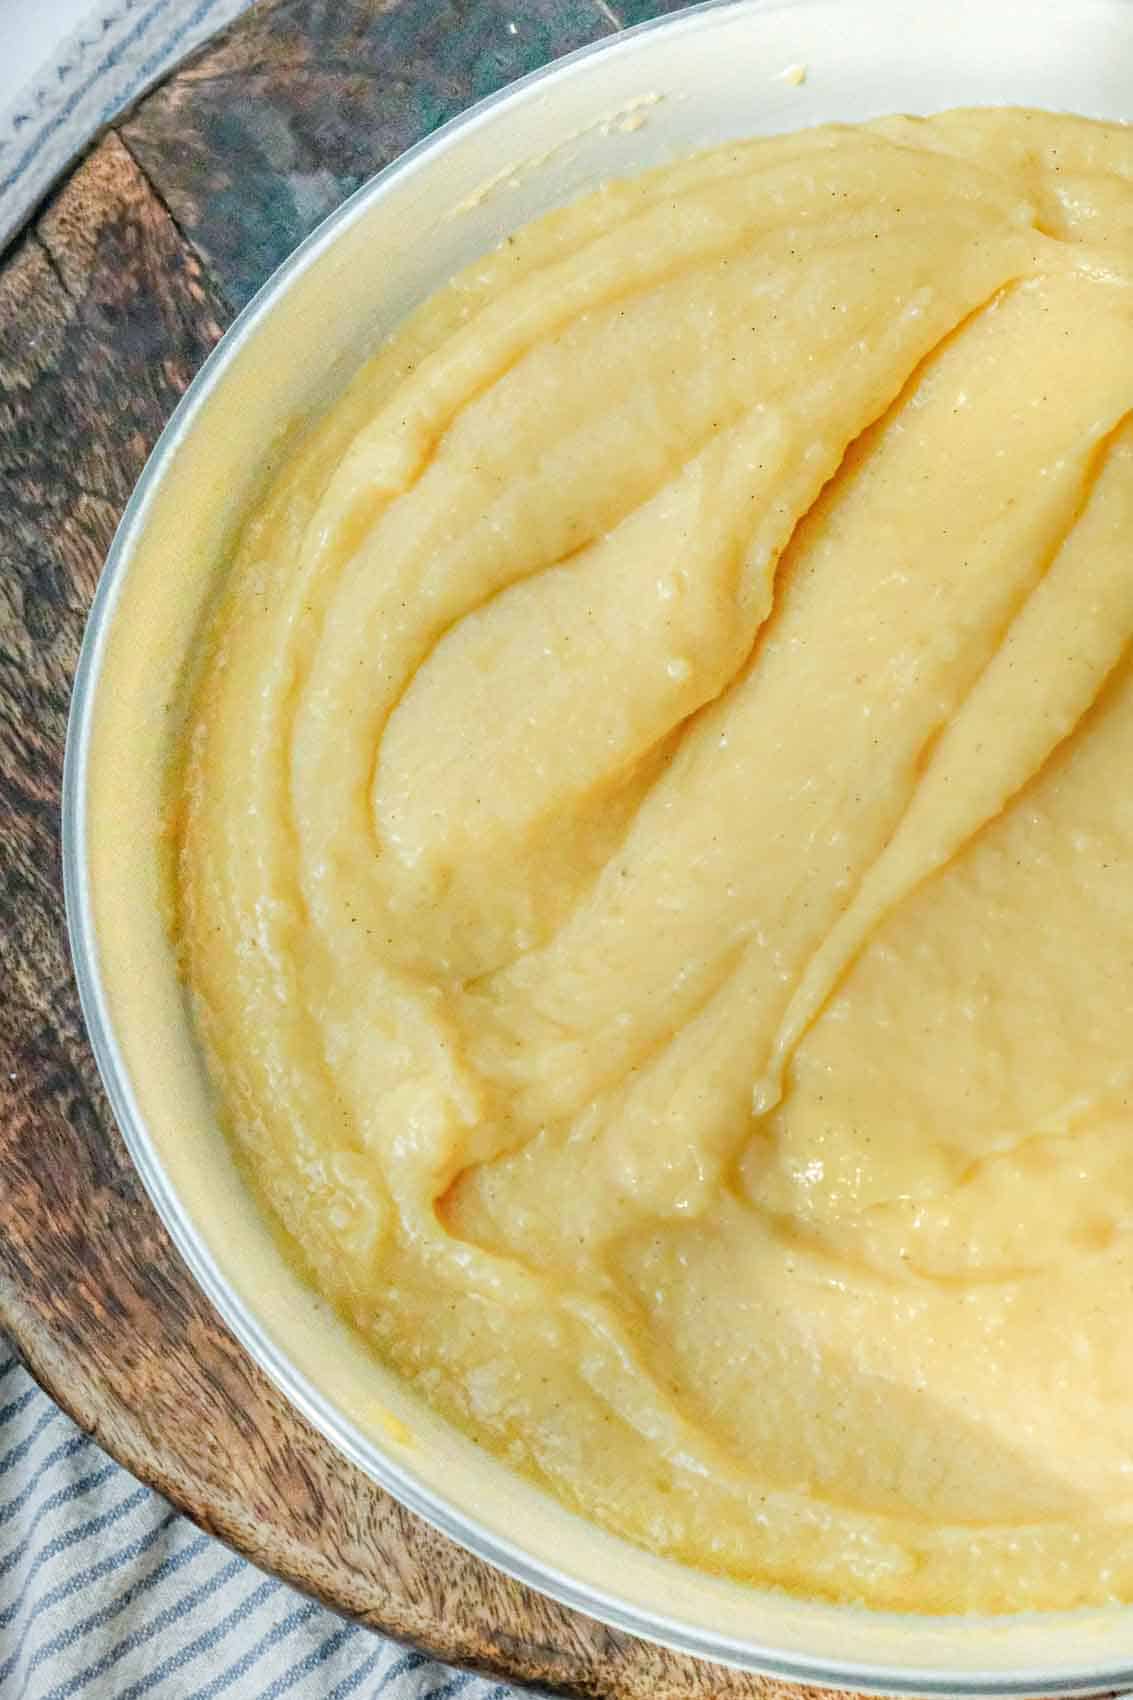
(655, 858)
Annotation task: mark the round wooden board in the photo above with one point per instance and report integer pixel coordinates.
(108, 304)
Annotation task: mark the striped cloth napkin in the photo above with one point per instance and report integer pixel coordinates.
(107, 1594)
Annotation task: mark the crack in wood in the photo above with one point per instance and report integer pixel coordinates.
(215, 283)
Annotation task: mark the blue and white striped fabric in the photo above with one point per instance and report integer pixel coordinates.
(107, 1594)
(118, 50)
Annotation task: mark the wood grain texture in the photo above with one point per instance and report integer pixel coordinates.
(271, 127)
(107, 307)
(630, 13)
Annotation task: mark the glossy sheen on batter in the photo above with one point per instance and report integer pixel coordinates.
(656, 858)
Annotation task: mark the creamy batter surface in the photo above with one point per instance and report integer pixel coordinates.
(655, 858)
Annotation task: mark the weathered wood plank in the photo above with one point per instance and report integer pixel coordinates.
(267, 131)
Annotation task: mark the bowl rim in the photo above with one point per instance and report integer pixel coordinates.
(377, 1463)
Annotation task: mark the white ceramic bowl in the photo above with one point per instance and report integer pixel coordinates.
(705, 76)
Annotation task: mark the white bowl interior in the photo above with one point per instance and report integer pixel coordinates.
(703, 77)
